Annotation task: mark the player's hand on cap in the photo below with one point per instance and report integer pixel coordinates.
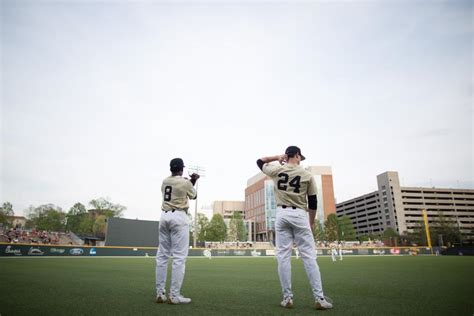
(282, 159)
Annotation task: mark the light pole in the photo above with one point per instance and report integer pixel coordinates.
(200, 171)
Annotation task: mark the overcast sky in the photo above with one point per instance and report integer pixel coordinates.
(97, 97)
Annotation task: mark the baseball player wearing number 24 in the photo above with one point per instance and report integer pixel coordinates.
(174, 232)
(295, 193)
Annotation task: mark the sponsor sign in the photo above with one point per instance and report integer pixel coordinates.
(76, 251)
(379, 252)
(57, 250)
(319, 252)
(395, 251)
(255, 253)
(35, 252)
(270, 252)
(222, 252)
(93, 252)
(10, 250)
(239, 252)
(344, 251)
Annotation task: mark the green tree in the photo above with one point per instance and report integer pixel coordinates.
(417, 236)
(363, 237)
(74, 217)
(6, 214)
(318, 231)
(86, 226)
(202, 226)
(99, 226)
(232, 231)
(102, 206)
(237, 231)
(445, 230)
(390, 237)
(47, 217)
(217, 229)
(241, 228)
(346, 229)
(331, 228)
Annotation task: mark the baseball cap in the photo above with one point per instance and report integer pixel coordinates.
(293, 150)
(176, 164)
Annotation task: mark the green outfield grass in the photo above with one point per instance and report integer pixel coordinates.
(237, 286)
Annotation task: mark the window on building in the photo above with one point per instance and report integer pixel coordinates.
(384, 193)
(388, 222)
(387, 217)
(383, 187)
(385, 199)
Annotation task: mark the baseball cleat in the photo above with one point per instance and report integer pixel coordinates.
(175, 300)
(287, 302)
(161, 298)
(322, 304)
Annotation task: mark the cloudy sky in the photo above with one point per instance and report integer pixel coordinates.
(97, 97)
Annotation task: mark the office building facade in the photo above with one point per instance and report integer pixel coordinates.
(400, 208)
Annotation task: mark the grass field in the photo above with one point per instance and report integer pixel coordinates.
(231, 286)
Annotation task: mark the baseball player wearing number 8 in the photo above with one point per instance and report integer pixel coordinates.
(174, 232)
(295, 193)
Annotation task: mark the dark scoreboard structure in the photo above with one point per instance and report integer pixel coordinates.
(131, 233)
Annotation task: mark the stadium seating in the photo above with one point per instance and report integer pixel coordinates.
(36, 237)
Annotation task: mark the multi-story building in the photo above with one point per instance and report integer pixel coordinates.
(227, 209)
(260, 204)
(400, 208)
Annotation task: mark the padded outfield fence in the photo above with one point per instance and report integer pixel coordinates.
(35, 250)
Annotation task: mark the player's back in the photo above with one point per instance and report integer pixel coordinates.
(292, 184)
(176, 190)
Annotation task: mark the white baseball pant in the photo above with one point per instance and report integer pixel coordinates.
(174, 241)
(333, 254)
(292, 225)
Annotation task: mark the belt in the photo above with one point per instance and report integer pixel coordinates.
(172, 211)
(286, 206)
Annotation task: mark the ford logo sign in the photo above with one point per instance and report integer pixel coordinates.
(76, 251)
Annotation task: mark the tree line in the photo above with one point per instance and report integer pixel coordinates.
(217, 230)
(443, 230)
(90, 221)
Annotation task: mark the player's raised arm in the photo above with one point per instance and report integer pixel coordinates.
(192, 194)
(280, 158)
(194, 178)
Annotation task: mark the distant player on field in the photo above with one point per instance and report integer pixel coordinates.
(295, 192)
(207, 253)
(333, 253)
(174, 232)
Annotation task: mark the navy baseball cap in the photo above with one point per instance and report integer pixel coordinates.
(293, 150)
(176, 164)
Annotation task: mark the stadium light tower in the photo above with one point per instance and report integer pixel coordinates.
(199, 170)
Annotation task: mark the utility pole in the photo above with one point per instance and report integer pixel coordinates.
(200, 171)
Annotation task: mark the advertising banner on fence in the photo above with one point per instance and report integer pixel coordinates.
(25, 250)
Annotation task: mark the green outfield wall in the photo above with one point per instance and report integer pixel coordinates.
(35, 250)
